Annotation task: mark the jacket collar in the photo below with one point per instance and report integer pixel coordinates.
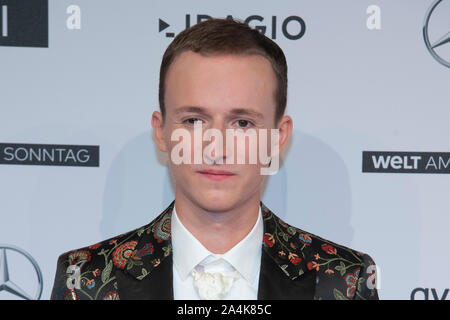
(284, 274)
(149, 274)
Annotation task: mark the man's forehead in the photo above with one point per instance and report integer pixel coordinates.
(226, 84)
(188, 57)
(195, 71)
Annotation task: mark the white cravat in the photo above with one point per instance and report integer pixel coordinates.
(201, 274)
(213, 285)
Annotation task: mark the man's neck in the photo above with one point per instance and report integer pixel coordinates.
(218, 231)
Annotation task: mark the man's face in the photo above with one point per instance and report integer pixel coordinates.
(220, 92)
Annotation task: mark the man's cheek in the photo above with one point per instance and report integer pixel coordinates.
(181, 148)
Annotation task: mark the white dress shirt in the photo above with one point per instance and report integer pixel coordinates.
(189, 253)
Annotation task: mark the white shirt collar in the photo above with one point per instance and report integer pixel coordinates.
(245, 256)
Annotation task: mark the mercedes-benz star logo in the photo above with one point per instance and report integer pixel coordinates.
(442, 40)
(6, 284)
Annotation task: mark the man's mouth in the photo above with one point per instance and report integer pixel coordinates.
(216, 175)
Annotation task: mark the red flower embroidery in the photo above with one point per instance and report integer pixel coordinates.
(96, 272)
(78, 256)
(95, 246)
(156, 262)
(161, 231)
(90, 283)
(269, 240)
(351, 280)
(329, 249)
(313, 265)
(305, 239)
(294, 258)
(112, 295)
(122, 253)
(146, 250)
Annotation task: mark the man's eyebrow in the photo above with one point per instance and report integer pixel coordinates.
(233, 112)
(192, 109)
(247, 112)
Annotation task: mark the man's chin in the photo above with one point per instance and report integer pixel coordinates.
(217, 201)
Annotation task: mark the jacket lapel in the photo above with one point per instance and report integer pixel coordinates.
(283, 273)
(275, 285)
(157, 285)
(148, 273)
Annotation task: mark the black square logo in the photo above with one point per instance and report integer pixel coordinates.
(24, 23)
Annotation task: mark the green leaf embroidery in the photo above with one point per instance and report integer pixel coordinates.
(167, 250)
(144, 273)
(107, 271)
(284, 267)
(360, 280)
(103, 252)
(341, 268)
(130, 264)
(292, 230)
(339, 295)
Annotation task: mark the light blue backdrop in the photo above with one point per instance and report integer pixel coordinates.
(351, 89)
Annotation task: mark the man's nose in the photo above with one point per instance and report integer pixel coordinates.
(215, 142)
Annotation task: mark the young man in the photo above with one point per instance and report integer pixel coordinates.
(217, 240)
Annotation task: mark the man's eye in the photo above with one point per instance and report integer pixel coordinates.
(192, 121)
(244, 123)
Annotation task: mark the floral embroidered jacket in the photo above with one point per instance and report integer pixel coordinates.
(138, 265)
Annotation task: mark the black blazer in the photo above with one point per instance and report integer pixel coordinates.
(138, 265)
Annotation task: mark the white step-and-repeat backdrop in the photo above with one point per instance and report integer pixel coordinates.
(368, 164)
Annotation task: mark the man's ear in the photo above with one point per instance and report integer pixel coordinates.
(285, 125)
(157, 124)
